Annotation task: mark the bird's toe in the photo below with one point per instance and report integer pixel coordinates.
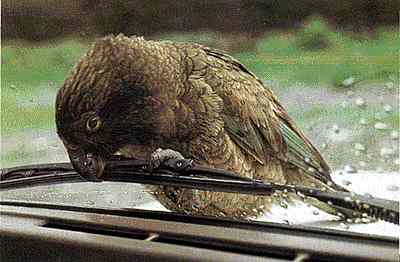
(160, 156)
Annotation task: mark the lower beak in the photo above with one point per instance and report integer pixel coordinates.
(88, 165)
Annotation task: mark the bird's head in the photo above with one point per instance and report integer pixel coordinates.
(100, 108)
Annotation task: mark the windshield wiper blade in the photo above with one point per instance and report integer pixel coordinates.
(34, 170)
(36, 175)
(181, 173)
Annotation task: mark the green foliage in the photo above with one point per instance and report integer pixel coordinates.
(315, 35)
(204, 38)
(20, 110)
(32, 66)
(30, 79)
(290, 57)
(32, 71)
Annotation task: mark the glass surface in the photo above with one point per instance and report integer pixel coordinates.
(338, 80)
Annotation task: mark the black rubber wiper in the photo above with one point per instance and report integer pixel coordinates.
(182, 173)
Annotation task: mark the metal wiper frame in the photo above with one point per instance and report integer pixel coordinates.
(182, 173)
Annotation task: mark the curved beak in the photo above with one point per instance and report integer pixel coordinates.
(88, 165)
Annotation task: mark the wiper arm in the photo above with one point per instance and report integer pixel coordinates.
(181, 173)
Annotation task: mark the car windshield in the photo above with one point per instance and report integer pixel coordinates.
(334, 71)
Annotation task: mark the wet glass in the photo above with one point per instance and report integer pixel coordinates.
(280, 207)
(338, 82)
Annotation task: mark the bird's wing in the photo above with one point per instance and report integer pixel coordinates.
(255, 120)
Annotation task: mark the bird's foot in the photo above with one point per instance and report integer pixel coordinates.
(169, 158)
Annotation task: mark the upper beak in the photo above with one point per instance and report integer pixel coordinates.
(89, 165)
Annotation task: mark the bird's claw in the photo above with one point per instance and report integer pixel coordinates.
(170, 159)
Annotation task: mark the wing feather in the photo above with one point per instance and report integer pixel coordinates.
(256, 121)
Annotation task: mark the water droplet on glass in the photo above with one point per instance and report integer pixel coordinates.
(365, 220)
(380, 126)
(389, 85)
(387, 108)
(392, 187)
(386, 152)
(348, 199)
(394, 135)
(359, 147)
(350, 169)
(346, 182)
(344, 225)
(363, 121)
(348, 82)
(360, 102)
(336, 128)
(300, 194)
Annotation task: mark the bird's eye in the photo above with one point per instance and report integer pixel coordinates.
(93, 124)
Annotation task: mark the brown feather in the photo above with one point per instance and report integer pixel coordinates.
(193, 99)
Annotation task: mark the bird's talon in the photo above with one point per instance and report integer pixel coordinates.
(168, 158)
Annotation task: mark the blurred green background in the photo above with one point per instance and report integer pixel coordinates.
(335, 69)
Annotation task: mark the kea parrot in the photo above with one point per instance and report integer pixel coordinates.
(157, 100)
